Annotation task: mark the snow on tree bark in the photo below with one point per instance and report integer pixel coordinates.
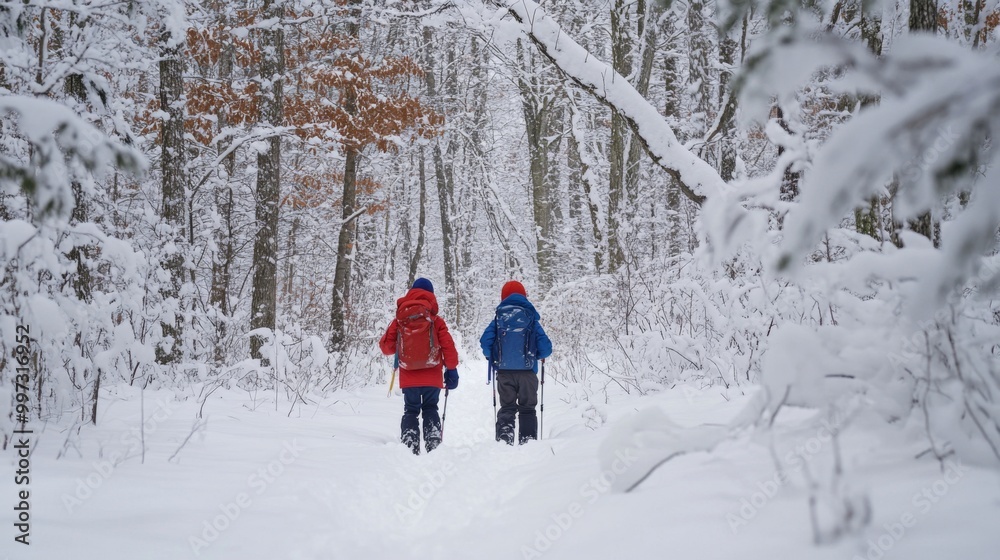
(173, 167)
(265, 249)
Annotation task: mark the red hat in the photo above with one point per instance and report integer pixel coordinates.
(512, 287)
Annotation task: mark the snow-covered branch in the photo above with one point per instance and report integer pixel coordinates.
(57, 136)
(697, 179)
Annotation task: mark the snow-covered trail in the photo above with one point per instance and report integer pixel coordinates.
(332, 481)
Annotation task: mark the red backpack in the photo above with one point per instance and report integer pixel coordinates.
(416, 344)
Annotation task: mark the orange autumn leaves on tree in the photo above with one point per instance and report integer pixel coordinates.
(310, 190)
(963, 16)
(322, 68)
(381, 113)
(210, 99)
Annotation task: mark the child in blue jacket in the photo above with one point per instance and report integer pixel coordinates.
(513, 357)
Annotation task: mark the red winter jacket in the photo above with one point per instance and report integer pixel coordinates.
(428, 377)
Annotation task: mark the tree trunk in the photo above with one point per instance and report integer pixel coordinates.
(579, 164)
(223, 193)
(172, 161)
(222, 263)
(621, 61)
(290, 258)
(646, 16)
(674, 227)
(265, 249)
(975, 25)
(923, 17)
(443, 174)
(542, 114)
(699, 47)
(552, 144)
(474, 153)
(536, 107)
(540, 201)
(577, 205)
(421, 220)
(454, 215)
(647, 37)
(94, 395)
(789, 179)
(342, 274)
(727, 100)
(868, 220)
(625, 152)
(338, 314)
(671, 110)
(82, 281)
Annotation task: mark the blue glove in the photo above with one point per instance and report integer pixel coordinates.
(451, 379)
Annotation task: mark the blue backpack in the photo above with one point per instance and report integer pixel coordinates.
(514, 346)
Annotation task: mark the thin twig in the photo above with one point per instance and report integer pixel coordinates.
(652, 469)
(198, 424)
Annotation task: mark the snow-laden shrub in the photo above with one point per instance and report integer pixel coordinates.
(915, 303)
(62, 279)
(916, 317)
(78, 292)
(673, 319)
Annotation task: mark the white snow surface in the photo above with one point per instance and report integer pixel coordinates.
(332, 481)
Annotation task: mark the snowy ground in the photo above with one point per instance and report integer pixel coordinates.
(331, 481)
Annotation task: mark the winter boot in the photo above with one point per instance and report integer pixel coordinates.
(527, 426)
(432, 433)
(410, 432)
(505, 428)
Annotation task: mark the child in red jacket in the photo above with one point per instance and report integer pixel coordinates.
(421, 342)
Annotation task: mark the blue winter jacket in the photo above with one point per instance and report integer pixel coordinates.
(542, 342)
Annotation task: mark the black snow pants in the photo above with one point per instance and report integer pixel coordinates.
(518, 392)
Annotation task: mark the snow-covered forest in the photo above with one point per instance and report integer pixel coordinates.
(762, 235)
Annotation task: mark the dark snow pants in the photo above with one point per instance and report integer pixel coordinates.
(518, 392)
(417, 401)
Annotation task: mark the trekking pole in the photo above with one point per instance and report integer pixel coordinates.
(444, 413)
(494, 380)
(541, 420)
(392, 380)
